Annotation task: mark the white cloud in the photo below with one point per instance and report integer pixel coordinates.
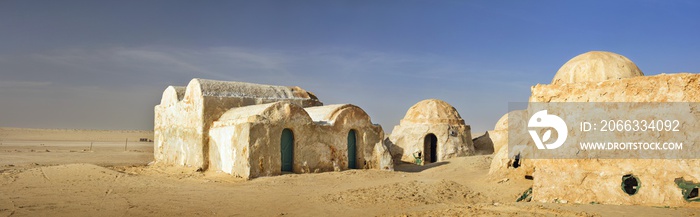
(23, 84)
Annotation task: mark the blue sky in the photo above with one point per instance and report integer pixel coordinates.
(104, 64)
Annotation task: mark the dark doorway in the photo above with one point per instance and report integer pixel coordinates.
(287, 150)
(430, 148)
(352, 150)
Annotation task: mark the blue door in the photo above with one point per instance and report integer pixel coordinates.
(287, 149)
(352, 149)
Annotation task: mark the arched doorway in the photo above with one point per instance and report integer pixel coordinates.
(430, 148)
(352, 150)
(287, 150)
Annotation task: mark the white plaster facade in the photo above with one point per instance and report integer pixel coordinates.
(225, 126)
(434, 129)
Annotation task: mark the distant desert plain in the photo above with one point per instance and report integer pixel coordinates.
(46, 172)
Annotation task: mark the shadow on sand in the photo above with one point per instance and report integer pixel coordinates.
(412, 168)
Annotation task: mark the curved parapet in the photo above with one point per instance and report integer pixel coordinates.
(172, 95)
(193, 91)
(339, 112)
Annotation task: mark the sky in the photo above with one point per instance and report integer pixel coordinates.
(104, 64)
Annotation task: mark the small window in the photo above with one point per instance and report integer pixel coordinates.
(693, 195)
(516, 162)
(630, 184)
(689, 189)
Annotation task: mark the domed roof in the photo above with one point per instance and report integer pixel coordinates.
(596, 66)
(516, 115)
(433, 111)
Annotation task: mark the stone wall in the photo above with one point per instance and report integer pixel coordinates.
(483, 145)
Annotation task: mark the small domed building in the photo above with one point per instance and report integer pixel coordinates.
(589, 67)
(431, 131)
(594, 66)
(505, 162)
(582, 176)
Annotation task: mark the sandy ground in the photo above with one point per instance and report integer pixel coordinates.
(56, 177)
(26, 134)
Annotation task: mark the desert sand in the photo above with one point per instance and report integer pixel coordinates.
(56, 173)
